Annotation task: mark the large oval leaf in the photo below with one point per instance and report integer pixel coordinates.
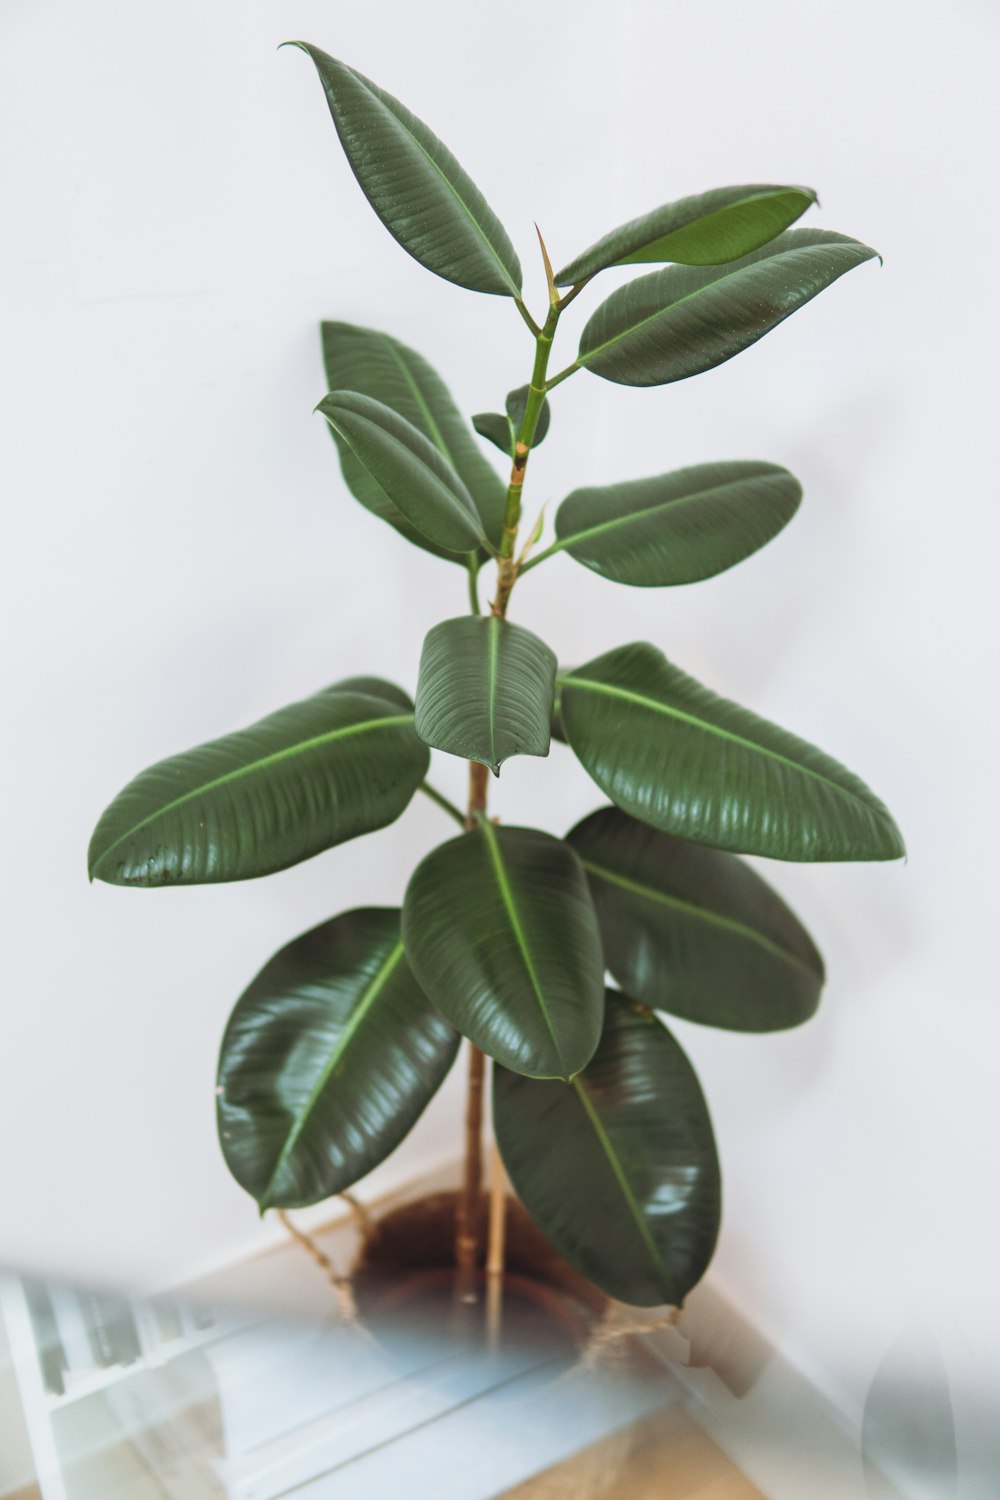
(329, 1057)
(423, 197)
(703, 230)
(305, 778)
(407, 467)
(679, 527)
(501, 933)
(375, 364)
(687, 319)
(672, 754)
(695, 931)
(485, 690)
(619, 1169)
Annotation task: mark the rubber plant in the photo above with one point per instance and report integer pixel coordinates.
(506, 933)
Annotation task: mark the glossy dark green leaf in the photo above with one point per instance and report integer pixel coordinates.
(407, 467)
(695, 931)
(485, 690)
(703, 230)
(517, 402)
(501, 933)
(376, 687)
(496, 429)
(328, 1060)
(618, 1169)
(679, 527)
(422, 195)
(375, 364)
(305, 778)
(686, 319)
(674, 755)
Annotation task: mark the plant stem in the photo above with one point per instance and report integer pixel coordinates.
(474, 583)
(442, 802)
(467, 1212)
(540, 557)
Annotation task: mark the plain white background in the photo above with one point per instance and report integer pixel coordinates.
(181, 556)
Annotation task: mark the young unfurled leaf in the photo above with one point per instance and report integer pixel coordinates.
(695, 931)
(305, 778)
(415, 185)
(619, 1170)
(374, 364)
(686, 319)
(329, 1058)
(501, 933)
(703, 230)
(678, 527)
(407, 467)
(485, 690)
(674, 755)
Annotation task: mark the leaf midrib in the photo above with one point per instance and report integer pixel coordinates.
(670, 307)
(636, 517)
(382, 104)
(655, 706)
(625, 1187)
(705, 914)
(375, 987)
(299, 748)
(510, 906)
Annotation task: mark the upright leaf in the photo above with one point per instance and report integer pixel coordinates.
(678, 527)
(329, 1058)
(305, 778)
(674, 755)
(695, 931)
(407, 468)
(703, 230)
(485, 690)
(686, 319)
(619, 1170)
(501, 933)
(417, 188)
(375, 364)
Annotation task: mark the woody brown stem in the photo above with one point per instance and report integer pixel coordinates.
(467, 1212)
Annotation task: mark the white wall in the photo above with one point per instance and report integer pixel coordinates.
(181, 556)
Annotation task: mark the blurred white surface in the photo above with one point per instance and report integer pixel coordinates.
(181, 556)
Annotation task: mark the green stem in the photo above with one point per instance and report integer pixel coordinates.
(525, 314)
(473, 566)
(533, 562)
(563, 375)
(442, 802)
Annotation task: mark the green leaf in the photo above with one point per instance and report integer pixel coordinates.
(517, 402)
(376, 687)
(329, 1058)
(495, 429)
(501, 933)
(687, 319)
(417, 188)
(312, 775)
(485, 690)
(377, 365)
(678, 527)
(672, 754)
(695, 931)
(619, 1169)
(407, 467)
(706, 229)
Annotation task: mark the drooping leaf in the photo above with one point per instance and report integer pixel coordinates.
(500, 931)
(413, 182)
(407, 467)
(312, 775)
(674, 755)
(329, 1058)
(485, 690)
(618, 1169)
(517, 402)
(496, 429)
(678, 527)
(375, 364)
(686, 319)
(695, 931)
(703, 230)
